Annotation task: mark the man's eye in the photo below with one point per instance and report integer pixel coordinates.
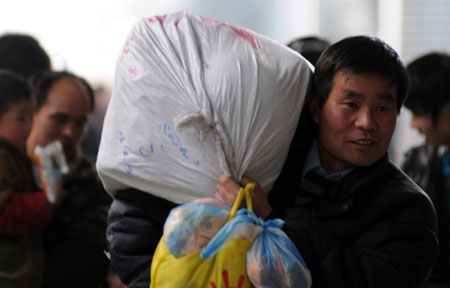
(383, 108)
(60, 119)
(80, 123)
(351, 104)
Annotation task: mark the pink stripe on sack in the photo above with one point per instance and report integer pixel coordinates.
(132, 71)
(125, 51)
(204, 19)
(246, 35)
(157, 18)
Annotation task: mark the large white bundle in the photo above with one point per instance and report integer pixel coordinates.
(194, 98)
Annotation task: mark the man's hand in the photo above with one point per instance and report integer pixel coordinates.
(227, 191)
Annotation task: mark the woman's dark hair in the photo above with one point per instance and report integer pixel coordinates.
(359, 54)
(13, 89)
(23, 54)
(430, 84)
(309, 47)
(43, 82)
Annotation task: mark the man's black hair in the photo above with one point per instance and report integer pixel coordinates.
(430, 84)
(357, 55)
(23, 55)
(43, 82)
(13, 89)
(309, 47)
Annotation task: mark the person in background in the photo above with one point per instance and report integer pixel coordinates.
(429, 164)
(23, 54)
(356, 218)
(24, 210)
(74, 241)
(309, 47)
(91, 140)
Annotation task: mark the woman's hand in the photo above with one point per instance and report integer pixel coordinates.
(227, 191)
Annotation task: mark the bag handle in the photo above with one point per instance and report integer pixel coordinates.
(247, 191)
(244, 216)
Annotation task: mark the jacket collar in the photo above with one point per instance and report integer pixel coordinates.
(333, 198)
(312, 163)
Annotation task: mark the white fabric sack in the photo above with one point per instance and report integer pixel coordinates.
(195, 98)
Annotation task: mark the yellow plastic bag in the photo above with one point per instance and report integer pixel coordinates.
(226, 269)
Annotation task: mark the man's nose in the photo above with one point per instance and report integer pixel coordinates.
(365, 120)
(69, 130)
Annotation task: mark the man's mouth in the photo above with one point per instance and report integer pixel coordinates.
(364, 142)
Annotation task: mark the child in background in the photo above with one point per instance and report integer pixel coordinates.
(24, 211)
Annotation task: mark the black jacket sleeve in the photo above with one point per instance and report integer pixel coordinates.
(135, 226)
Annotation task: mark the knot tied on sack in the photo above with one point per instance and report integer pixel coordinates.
(205, 130)
(203, 119)
(194, 119)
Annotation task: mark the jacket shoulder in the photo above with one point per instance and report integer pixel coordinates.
(408, 194)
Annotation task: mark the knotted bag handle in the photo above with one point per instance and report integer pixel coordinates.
(242, 191)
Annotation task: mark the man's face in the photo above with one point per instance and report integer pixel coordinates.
(15, 124)
(438, 134)
(62, 117)
(357, 121)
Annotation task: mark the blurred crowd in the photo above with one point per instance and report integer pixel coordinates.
(45, 241)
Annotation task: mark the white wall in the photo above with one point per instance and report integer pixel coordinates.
(86, 36)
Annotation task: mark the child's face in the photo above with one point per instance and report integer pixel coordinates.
(15, 124)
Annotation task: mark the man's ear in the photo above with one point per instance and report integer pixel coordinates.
(314, 108)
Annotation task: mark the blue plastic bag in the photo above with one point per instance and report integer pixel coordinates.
(245, 225)
(190, 227)
(274, 261)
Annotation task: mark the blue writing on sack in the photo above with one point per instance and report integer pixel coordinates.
(149, 149)
(170, 133)
(127, 167)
